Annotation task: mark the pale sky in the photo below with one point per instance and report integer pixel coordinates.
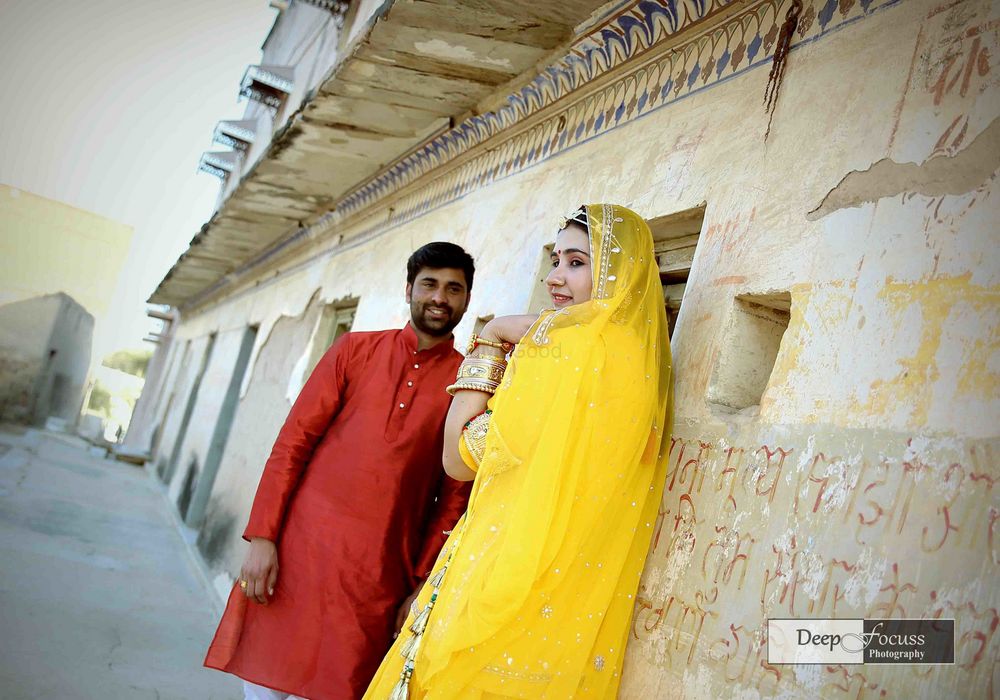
(107, 105)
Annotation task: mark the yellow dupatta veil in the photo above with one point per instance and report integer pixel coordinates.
(542, 571)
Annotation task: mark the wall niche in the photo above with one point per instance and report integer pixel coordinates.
(750, 343)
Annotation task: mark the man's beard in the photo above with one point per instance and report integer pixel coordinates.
(437, 327)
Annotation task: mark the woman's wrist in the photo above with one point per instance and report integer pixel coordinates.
(491, 332)
(487, 351)
(484, 343)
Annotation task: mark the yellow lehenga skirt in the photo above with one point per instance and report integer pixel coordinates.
(595, 628)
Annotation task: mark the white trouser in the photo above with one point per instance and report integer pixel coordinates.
(252, 691)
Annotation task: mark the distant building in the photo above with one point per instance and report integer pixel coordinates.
(44, 359)
(59, 268)
(833, 287)
(48, 246)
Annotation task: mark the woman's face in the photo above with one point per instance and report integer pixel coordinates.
(570, 281)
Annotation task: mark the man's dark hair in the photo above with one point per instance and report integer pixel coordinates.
(439, 255)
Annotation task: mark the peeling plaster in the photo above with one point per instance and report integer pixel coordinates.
(865, 582)
(266, 327)
(940, 175)
(297, 379)
(442, 49)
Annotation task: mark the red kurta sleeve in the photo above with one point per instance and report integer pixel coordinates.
(316, 406)
(452, 500)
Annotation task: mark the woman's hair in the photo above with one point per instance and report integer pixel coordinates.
(439, 255)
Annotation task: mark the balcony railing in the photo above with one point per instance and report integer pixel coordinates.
(268, 85)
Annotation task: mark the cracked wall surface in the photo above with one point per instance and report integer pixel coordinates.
(941, 174)
(864, 483)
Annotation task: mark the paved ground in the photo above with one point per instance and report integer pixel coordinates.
(99, 598)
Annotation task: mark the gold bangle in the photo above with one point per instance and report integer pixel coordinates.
(473, 384)
(488, 368)
(479, 340)
(479, 374)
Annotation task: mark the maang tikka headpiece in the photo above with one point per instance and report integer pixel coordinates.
(579, 215)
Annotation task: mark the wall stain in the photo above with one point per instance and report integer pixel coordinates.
(913, 385)
(214, 537)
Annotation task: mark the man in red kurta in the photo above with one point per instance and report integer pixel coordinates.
(353, 502)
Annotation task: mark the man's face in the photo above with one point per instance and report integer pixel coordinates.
(438, 298)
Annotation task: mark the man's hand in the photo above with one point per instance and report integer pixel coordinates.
(404, 609)
(260, 570)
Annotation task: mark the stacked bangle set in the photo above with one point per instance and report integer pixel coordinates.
(481, 373)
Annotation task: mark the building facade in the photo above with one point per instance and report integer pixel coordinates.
(59, 268)
(829, 269)
(45, 346)
(47, 247)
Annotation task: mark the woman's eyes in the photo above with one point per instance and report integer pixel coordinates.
(572, 263)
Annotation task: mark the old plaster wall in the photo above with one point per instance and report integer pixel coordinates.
(181, 385)
(204, 416)
(148, 433)
(261, 412)
(146, 414)
(863, 483)
(864, 486)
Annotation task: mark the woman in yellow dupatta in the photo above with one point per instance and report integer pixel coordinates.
(532, 595)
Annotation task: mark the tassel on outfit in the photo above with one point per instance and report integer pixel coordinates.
(409, 648)
(401, 691)
(420, 624)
